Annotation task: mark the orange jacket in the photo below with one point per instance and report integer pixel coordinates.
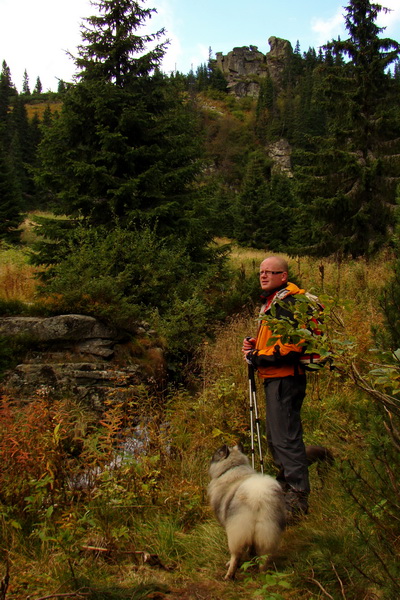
(289, 354)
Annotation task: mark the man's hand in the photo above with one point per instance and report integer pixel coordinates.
(248, 345)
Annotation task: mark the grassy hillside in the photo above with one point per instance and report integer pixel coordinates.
(39, 108)
(144, 529)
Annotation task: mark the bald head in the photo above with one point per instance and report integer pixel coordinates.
(280, 263)
(273, 273)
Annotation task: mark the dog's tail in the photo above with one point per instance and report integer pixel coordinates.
(323, 457)
(319, 454)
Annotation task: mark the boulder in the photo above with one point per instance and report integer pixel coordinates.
(82, 356)
(61, 328)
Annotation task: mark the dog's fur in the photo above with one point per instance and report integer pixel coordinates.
(322, 456)
(249, 505)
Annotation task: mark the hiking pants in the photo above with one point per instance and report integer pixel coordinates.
(284, 397)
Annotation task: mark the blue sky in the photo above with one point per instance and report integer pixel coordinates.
(35, 35)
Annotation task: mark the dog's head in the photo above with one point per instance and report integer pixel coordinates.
(223, 452)
(226, 458)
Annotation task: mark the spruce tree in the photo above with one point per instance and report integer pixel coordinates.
(10, 160)
(113, 48)
(7, 93)
(10, 199)
(347, 181)
(25, 85)
(125, 147)
(61, 88)
(38, 86)
(259, 218)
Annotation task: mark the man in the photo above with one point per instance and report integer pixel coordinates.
(285, 384)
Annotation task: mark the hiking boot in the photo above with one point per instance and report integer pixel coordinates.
(296, 502)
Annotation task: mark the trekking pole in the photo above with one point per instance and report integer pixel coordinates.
(254, 416)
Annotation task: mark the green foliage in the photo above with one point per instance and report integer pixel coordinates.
(115, 274)
(10, 200)
(125, 148)
(274, 580)
(389, 301)
(263, 210)
(125, 154)
(125, 276)
(209, 77)
(112, 50)
(347, 179)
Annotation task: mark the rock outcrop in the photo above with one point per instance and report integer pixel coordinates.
(280, 153)
(243, 67)
(80, 355)
(277, 59)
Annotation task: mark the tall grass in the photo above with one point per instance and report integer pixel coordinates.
(17, 276)
(146, 528)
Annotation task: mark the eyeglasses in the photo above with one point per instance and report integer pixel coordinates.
(271, 272)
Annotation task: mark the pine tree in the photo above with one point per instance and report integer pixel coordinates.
(7, 93)
(259, 219)
(38, 86)
(114, 51)
(10, 160)
(47, 117)
(22, 149)
(347, 181)
(61, 88)
(202, 77)
(125, 147)
(25, 84)
(10, 199)
(216, 78)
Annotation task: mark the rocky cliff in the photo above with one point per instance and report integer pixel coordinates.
(244, 67)
(80, 355)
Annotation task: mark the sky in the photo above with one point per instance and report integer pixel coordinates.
(36, 36)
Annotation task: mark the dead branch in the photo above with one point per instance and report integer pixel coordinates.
(339, 580)
(323, 590)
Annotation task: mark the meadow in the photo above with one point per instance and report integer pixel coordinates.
(144, 530)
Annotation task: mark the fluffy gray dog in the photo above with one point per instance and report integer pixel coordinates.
(249, 505)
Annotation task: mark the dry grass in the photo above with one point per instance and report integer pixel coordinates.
(183, 533)
(39, 109)
(355, 284)
(17, 277)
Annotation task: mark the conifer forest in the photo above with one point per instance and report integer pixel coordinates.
(147, 201)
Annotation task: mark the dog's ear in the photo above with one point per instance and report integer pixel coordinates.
(220, 454)
(239, 446)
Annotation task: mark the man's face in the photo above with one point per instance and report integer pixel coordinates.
(272, 275)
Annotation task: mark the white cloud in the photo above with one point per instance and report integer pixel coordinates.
(390, 19)
(327, 29)
(40, 37)
(199, 57)
(165, 18)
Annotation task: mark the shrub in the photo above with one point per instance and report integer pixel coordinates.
(124, 276)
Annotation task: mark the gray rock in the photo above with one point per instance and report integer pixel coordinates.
(280, 153)
(244, 67)
(80, 355)
(58, 328)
